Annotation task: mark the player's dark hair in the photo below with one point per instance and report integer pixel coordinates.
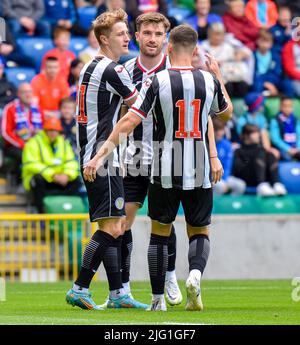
(150, 18)
(51, 58)
(66, 100)
(183, 36)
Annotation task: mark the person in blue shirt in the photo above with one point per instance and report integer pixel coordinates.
(282, 30)
(268, 73)
(285, 131)
(201, 20)
(63, 13)
(255, 116)
(229, 183)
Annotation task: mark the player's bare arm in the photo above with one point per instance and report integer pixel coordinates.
(124, 127)
(216, 166)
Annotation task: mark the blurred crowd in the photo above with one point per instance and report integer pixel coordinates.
(256, 42)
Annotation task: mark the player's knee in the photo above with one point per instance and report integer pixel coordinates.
(161, 229)
(192, 231)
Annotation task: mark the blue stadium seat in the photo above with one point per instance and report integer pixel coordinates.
(18, 75)
(77, 44)
(35, 47)
(289, 174)
(86, 16)
(179, 13)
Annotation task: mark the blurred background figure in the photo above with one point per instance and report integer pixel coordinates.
(49, 88)
(263, 13)
(49, 164)
(285, 131)
(92, 50)
(67, 110)
(201, 20)
(25, 17)
(75, 69)
(229, 184)
(21, 119)
(7, 89)
(254, 165)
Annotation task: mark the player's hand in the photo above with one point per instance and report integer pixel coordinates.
(90, 171)
(216, 169)
(212, 65)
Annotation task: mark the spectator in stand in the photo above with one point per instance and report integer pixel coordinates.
(201, 20)
(76, 67)
(136, 7)
(67, 116)
(49, 164)
(232, 61)
(63, 13)
(49, 88)
(255, 116)
(257, 167)
(11, 51)
(239, 25)
(61, 38)
(282, 30)
(268, 76)
(24, 17)
(7, 89)
(21, 119)
(92, 50)
(291, 63)
(285, 131)
(263, 13)
(110, 5)
(228, 183)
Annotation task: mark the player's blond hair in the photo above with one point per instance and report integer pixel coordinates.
(150, 18)
(183, 36)
(103, 24)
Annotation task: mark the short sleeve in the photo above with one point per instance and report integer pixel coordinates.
(219, 103)
(146, 98)
(118, 82)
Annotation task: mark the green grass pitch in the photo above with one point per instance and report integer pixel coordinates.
(225, 302)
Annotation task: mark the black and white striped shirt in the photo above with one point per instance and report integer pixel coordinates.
(103, 84)
(139, 143)
(180, 100)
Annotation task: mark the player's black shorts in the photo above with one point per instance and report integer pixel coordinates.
(163, 204)
(136, 187)
(106, 197)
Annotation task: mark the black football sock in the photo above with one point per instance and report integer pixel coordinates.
(92, 257)
(172, 250)
(112, 264)
(158, 262)
(198, 252)
(126, 255)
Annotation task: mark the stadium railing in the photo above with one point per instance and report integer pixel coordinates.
(42, 247)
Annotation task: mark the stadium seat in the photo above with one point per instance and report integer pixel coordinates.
(35, 47)
(18, 75)
(77, 44)
(229, 204)
(86, 16)
(189, 4)
(289, 175)
(179, 13)
(239, 106)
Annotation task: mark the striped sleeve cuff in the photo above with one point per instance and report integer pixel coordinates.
(138, 112)
(133, 93)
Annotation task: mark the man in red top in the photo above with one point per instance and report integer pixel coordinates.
(239, 25)
(61, 38)
(291, 63)
(21, 119)
(49, 88)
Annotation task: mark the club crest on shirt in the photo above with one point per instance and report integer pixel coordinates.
(119, 203)
(119, 69)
